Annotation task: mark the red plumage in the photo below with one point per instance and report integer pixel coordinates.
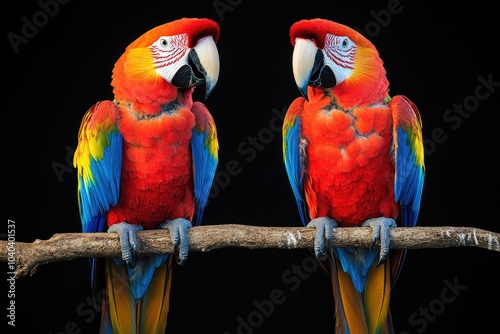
(156, 182)
(352, 187)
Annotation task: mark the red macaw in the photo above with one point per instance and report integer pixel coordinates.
(146, 160)
(354, 157)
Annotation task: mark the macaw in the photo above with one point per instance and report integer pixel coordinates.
(146, 160)
(354, 157)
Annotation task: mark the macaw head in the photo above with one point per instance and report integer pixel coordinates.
(167, 62)
(329, 56)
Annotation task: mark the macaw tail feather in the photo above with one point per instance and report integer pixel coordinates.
(121, 313)
(365, 312)
(97, 267)
(154, 306)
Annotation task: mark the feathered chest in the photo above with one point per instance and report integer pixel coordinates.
(156, 172)
(348, 160)
(346, 140)
(156, 148)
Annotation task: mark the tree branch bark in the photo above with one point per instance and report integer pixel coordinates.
(23, 258)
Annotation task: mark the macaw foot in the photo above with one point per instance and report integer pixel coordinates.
(179, 234)
(381, 230)
(324, 235)
(128, 240)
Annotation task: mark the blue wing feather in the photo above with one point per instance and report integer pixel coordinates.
(410, 171)
(293, 156)
(98, 159)
(99, 193)
(204, 150)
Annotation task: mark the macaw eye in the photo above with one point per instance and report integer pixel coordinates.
(344, 43)
(163, 42)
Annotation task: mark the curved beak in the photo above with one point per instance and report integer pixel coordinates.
(205, 58)
(203, 67)
(309, 68)
(303, 63)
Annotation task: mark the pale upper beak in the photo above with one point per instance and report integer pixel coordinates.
(304, 54)
(202, 67)
(208, 62)
(309, 68)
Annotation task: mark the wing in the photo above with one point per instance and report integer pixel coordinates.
(98, 159)
(409, 158)
(294, 154)
(204, 148)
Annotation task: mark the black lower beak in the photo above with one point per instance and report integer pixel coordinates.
(189, 75)
(322, 76)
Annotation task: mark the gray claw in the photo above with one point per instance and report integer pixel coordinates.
(128, 240)
(324, 235)
(381, 231)
(179, 234)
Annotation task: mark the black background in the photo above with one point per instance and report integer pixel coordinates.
(433, 53)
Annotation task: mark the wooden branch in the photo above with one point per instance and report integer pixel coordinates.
(68, 246)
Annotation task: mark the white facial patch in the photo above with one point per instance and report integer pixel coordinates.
(169, 54)
(339, 52)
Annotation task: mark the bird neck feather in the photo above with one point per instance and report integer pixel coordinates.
(368, 82)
